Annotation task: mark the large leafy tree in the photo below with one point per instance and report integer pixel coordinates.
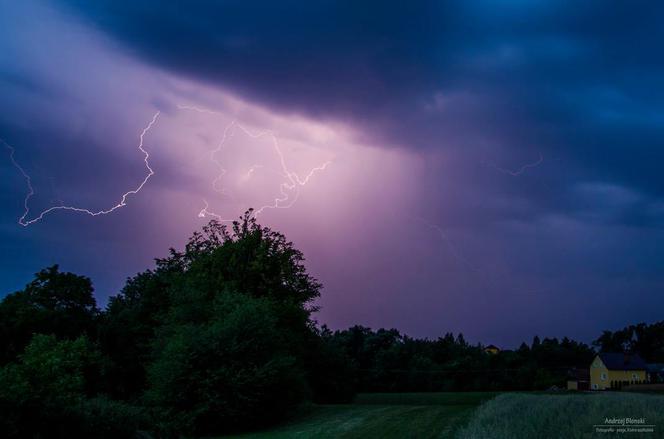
(183, 330)
(230, 347)
(246, 258)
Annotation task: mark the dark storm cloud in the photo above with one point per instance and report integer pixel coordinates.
(340, 57)
(324, 57)
(579, 83)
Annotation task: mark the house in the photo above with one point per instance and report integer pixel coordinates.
(655, 372)
(491, 349)
(578, 379)
(608, 368)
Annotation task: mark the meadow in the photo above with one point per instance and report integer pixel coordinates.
(385, 415)
(470, 415)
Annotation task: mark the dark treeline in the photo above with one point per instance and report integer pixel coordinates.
(219, 337)
(646, 340)
(387, 361)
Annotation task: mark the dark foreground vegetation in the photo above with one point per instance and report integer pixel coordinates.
(219, 338)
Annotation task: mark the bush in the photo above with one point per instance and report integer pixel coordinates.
(51, 370)
(101, 417)
(45, 394)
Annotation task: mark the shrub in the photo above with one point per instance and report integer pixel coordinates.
(101, 417)
(45, 394)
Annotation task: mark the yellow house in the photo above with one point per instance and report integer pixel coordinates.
(491, 349)
(616, 367)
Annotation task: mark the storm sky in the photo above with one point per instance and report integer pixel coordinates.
(491, 168)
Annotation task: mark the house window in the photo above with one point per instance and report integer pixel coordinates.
(603, 377)
(595, 386)
(635, 376)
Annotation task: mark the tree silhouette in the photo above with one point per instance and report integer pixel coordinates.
(55, 303)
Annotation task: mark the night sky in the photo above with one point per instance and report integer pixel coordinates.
(493, 168)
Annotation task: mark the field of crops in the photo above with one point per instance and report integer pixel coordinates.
(525, 416)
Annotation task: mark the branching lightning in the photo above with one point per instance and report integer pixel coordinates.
(24, 221)
(289, 190)
(519, 171)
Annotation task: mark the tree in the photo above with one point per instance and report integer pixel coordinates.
(646, 340)
(250, 259)
(244, 259)
(127, 328)
(53, 303)
(618, 341)
(219, 334)
(331, 373)
(230, 373)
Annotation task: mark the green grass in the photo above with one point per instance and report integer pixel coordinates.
(472, 415)
(385, 415)
(525, 416)
(441, 398)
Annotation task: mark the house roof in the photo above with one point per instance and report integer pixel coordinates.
(619, 361)
(492, 347)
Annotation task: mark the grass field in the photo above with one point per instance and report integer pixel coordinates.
(385, 415)
(472, 415)
(525, 416)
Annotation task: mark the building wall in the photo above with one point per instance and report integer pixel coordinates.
(597, 371)
(627, 375)
(601, 377)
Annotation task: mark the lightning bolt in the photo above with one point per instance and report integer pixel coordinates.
(289, 191)
(205, 212)
(293, 181)
(23, 221)
(518, 172)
